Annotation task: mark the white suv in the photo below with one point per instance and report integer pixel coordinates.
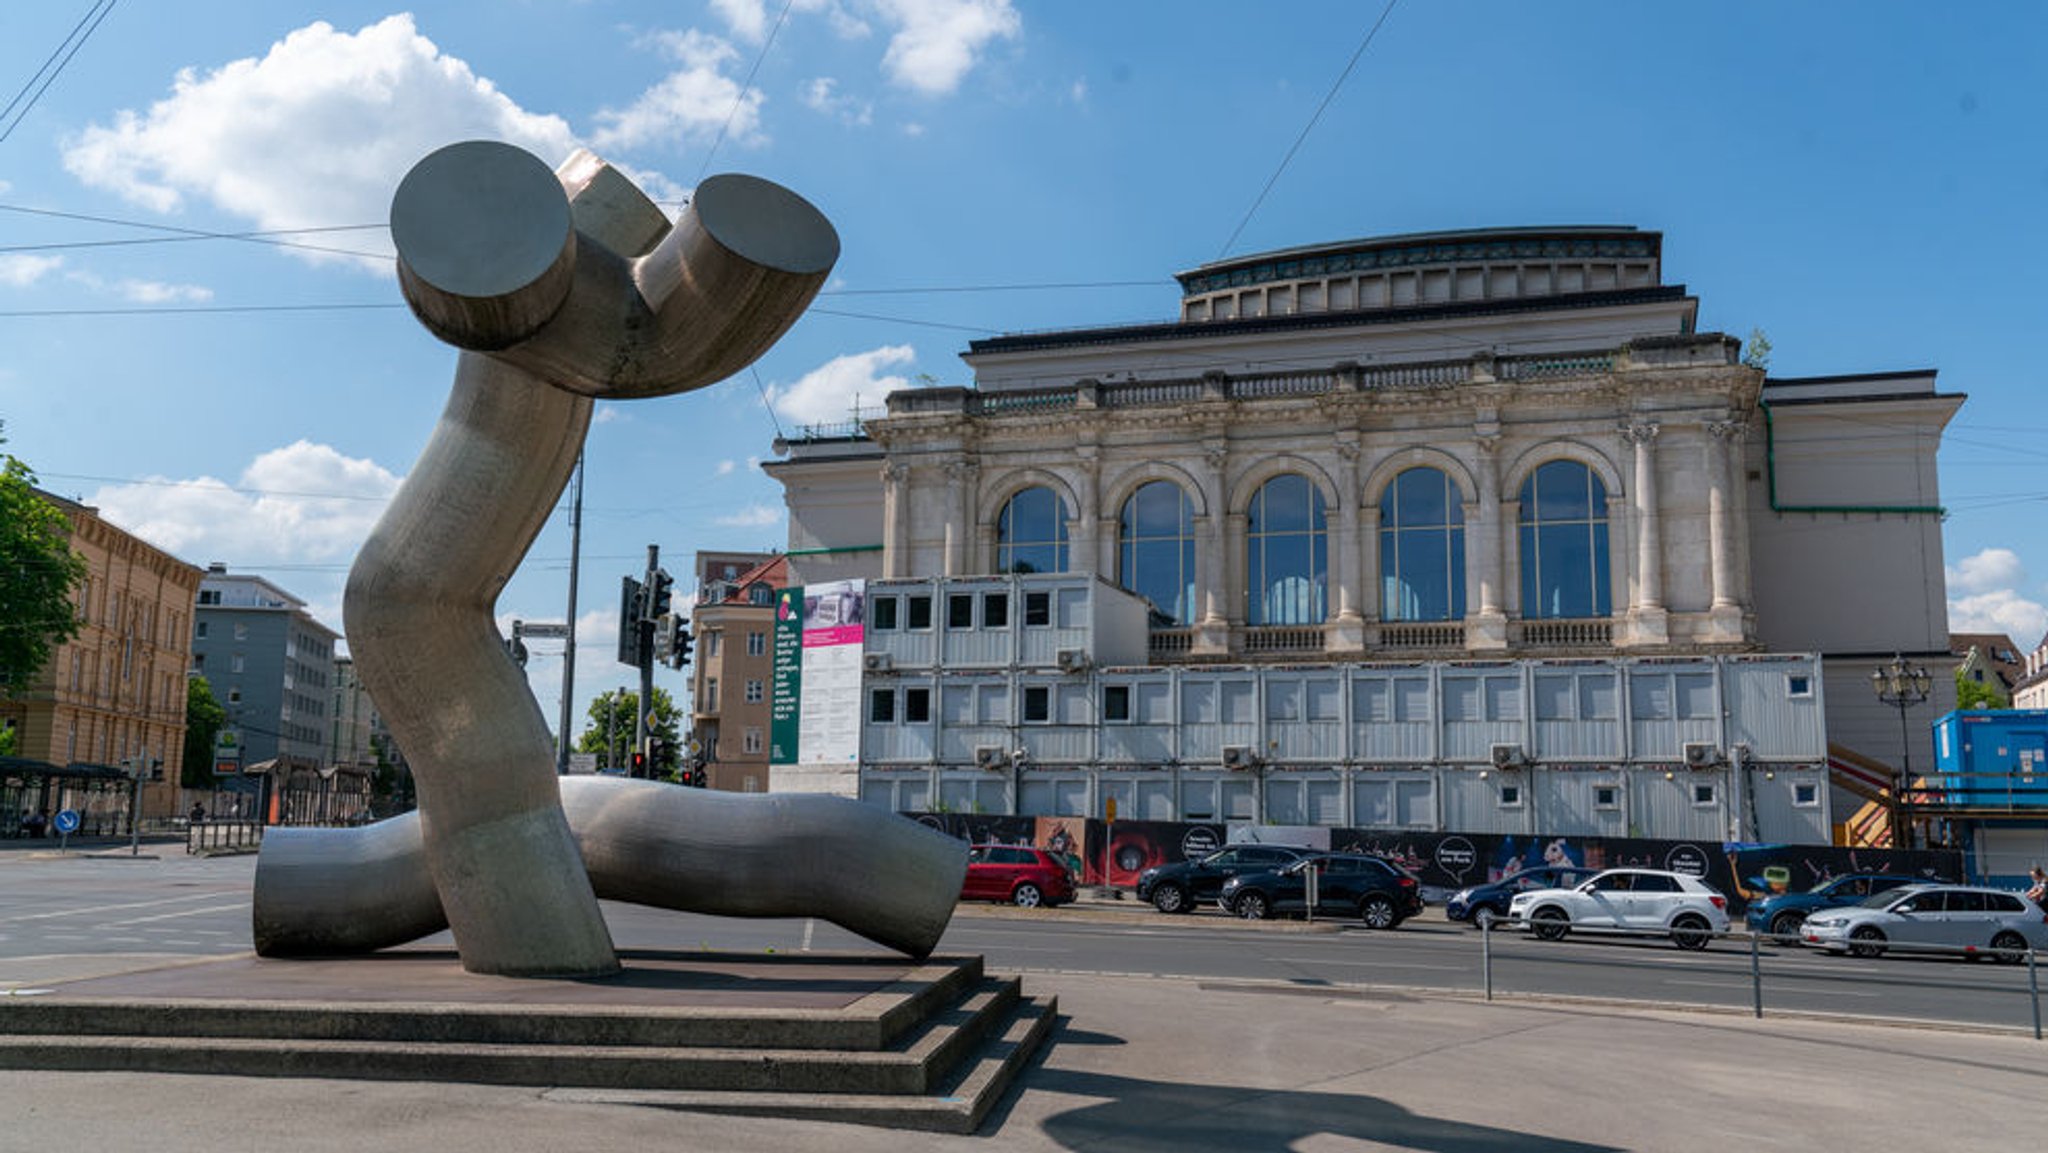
(1641, 900)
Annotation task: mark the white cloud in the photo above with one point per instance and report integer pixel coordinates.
(690, 104)
(20, 270)
(1991, 602)
(938, 41)
(298, 505)
(1079, 92)
(315, 133)
(822, 95)
(726, 467)
(827, 394)
(2000, 611)
(1992, 568)
(747, 19)
(913, 129)
(752, 516)
(145, 291)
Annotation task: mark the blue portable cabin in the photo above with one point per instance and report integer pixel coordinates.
(1991, 785)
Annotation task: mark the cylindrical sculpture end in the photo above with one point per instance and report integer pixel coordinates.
(486, 245)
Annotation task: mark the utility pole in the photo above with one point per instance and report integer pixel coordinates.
(569, 655)
(648, 611)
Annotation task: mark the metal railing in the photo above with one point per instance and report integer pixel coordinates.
(1754, 941)
(223, 836)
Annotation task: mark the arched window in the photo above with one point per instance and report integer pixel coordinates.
(1155, 541)
(1287, 553)
(1422, 548)
(1031, 532)
(1563, 528)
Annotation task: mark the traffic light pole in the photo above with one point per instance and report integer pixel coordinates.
(646, 627)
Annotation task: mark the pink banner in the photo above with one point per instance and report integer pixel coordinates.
(823, 638)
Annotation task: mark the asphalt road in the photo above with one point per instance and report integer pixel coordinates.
(77, 915)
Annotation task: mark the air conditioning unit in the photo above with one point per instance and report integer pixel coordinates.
(1701, 755)
(1508, 757)
(876, 662)
(1071, 660)
(1237, 758)
(989, 757)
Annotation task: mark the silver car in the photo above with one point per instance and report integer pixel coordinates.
(1959, 919)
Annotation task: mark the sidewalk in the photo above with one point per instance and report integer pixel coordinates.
(1179, 1066)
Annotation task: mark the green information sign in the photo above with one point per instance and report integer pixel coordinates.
(785, 701)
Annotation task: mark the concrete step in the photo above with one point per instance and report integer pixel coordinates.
(874, 1022)
(959, 1105)
(931, 1050)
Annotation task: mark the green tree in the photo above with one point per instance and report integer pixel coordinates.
(1976, 695)
(7, 741)
(609, 730)
(38, 571)
(204, 717)
(1756, 353)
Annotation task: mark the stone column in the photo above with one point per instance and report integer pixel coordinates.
(1647, 618)
(1724, 438)
(959, 515)
(1212, 630)
(1486, 625)
(1347, 632)
(1084, 546)
(895, 519)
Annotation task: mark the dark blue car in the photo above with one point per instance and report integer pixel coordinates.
(1484, 904)
(1781, 914)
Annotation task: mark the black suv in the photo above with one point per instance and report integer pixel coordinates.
(1177, 887)
(1378, 891)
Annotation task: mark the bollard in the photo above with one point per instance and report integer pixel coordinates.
(2034, 990)
(1486, 955)
(1756, 978)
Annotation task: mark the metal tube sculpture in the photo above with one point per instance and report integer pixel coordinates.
(560, 288)
(730, 854)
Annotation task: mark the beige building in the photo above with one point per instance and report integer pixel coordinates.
(1470, 446)
(733, 621)
(114, 695)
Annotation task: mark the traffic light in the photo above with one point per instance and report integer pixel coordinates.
(679, 643)
(658, 594)
(657, 751)
(629, 622)
(639, 766)
(665, 630)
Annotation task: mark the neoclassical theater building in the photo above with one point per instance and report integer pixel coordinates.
(1508, 445)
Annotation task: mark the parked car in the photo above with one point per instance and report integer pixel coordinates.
(1017, 875)
(1782, 913)
(1484, 904)
(1973, 921)
(1377, 891)
(1175, 888)
(1640, 900)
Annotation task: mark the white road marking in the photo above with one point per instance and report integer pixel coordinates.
(1767, 986)
(1365, 964)
(111, 908)
(180, 913)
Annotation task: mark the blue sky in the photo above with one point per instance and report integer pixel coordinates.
(1862, 181)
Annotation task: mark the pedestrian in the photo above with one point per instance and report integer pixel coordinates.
(198, 814)
(39, 825)
(2038, 893)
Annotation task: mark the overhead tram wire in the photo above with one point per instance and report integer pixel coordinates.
(1309, 127)
(96, 14)
(185, 234)
(745, 87)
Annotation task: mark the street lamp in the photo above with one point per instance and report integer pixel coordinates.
(1902, 686)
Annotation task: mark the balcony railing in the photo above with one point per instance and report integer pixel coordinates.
(1565, 634)
(1281, 639)
(1422, 635)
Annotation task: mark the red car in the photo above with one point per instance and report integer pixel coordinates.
(1017, 875)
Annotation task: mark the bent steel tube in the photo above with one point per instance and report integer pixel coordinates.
(323, 892)
(560, 287)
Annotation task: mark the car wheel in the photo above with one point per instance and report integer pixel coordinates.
(1377, 912)
(1170, 899)
(2009, 947)
(1550, 924)
(1484, 917)
(1691, 932)
(1252, 906)
(1786, 925)
(1027, 896)
(1867, 941)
